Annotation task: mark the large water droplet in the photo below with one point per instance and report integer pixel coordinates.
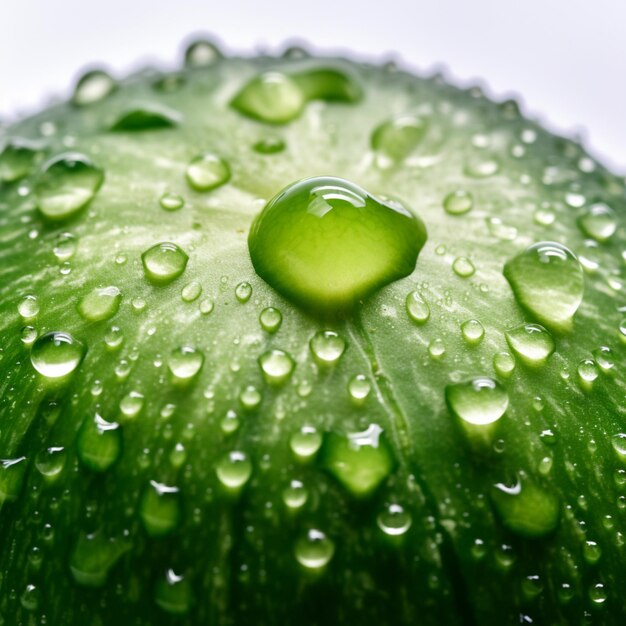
(359, 461)
(16, 160)
(526, 508)
(331, 228)
(234, 470)
(56, 354)
(314, 550)
(101, 303)
(94, 556)
(479, 401)
(547, 280)
(99, 443)
(327, 347)
(66, 184)
(599, 222)
(276, 366)
(160, 509)
(395, 139)
(93, 86)
(532, 343)
(173, 593)
(164, 262)
(207, 172)
(185, 362)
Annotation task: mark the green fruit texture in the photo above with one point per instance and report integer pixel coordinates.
(305, 341)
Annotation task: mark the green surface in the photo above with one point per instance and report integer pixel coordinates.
(196, 430)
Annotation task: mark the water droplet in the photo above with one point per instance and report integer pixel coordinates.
(591, 552)
(619, 445)
(437, 348)
(503, 364)
(417, 308)
(479, 401)
(327, 347)
(28, 334)
(12, 472)
(171, 201)
(99, 443)
(234, 470)
(114, 338)
(269, 145)
(306, 442)
(295, 495)
(131, 404)
(160, 509)
(598, 594)
(164, 262)
(66, 184)
(532, 586)
(499, 229)
(394, 520)
(359, 388)
(458, 202)
(56, 354)
(547, 280)
(92, 87)
(94, 556)
(146, 118)
(599, 222)
(526, 508)
(30, 598)
(202, 53)
(101, 303)
(276, 366)
(243, 292)
(314, 550)
(481, 167)
(16, 161)
(270, 319)
(330, 227)
(587, 372)
(359, 461)
(463, 267)
(395, 139)
(173, 593)
(50, 462)
(28, 307)
(532, 343)
(185, 362)
(472, 331)
(604, 358)
(207, 172)
(65, 246)
(191, 291)
(206, 306)
(250, 398)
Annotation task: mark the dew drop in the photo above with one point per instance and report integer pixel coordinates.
(270, 319)
(269, 145)
(463, 267)
(479, 401)
(101, 303)
(173, 594)
(206, 306)
(50, 462)
(171, 201)
(417, 308)
(360, 461)
(202, 53)
(234, 470)
(599, 222)
(28, 307)
(17, 159)
(603, 356)
(332, 228)
(532, 343)
(306, 442)
(547, 280)
(472, 331)
(146, 117)
(598, 594)
(395, 139)
(458, 202)
(587, 372)
(113, 338)
(207, 172)
(99, 443)
(314, 550)
(436, 348)
(327, 347)
(619, 445)
(481, 167)
(295, 495)
(591, 552)
(65, 246)
(131, 404)
(12, 472)
(66, 184)
(191, 291)
(93, 557)
(28, 335)
(243, 292)
(56, 354)
(93, 86)
(394, 520)
(160, 509)
(359, 388)
(30, 598)
(164, 262)
(250, 398)
(276, 366)
(185, 362)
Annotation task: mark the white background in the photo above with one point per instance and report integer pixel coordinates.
(566, 57)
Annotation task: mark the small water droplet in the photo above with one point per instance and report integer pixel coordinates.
(359, 388)
(30, 598)
(191, 291)
(99, 443)
(599, 222)
(66, 184)
(269, 145)
(463, 267)
(185, 362)
(397, 138)
(587, 372)
(480, 401)
(481, 167)
(160, 509)
(394, 520)
(458, 202)
(437, 348)
(327, 347)
(295, 495)
(17, 159)
(234, 470)
(532, 343)
(114, 338)
(250, 398)
(12, 472)
(171, 201)
(146, 117)
(173, 594)
(598, 594)
(131, 404)
(101, 303)
(28, 307)
(547, 280)
(308, 230)
(243, 292)
(417, 308)
(50, 462)
(619, 445)
(28, 335)
(65, 246)
(270, 319)
(472, 331)
(206, 306)
(207, 172)
(56, 354)
(202, 53)
(314, 550)
(604, 358)
(306, 442)
(164, 262)
(94, 555)
(276, 366)
(591, 552)
(93, 86)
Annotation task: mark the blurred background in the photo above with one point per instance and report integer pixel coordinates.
(566, 59)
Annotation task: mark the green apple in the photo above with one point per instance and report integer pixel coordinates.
(307, 341)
